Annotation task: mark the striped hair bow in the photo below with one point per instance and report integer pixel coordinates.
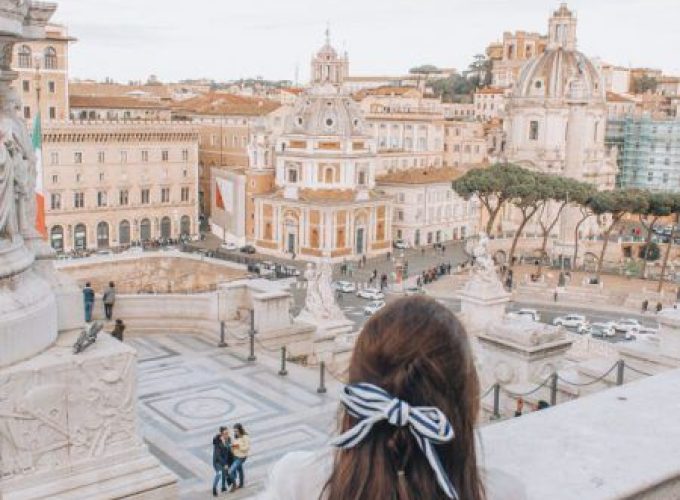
(370, 404)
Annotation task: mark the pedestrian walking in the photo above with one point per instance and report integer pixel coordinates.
(645, 305)
(118, 330)
(240, 447)
(221, 452)
(555, 296)
(109, 299)
(88, 300)
(375, 273)
(519, 407)
(658, 307)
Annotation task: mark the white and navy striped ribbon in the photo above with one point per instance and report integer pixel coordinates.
(370, 404)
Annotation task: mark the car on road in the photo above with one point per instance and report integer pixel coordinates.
(413, 290)
(601, 329)
(374, 307)
(529, 313)
(266, 268)
(628, 325)
(229, 246)
(400, 244)
(648, 330)
(250, 249)
(291, 271)
(371, 294)
(345, 286)
(570, 321)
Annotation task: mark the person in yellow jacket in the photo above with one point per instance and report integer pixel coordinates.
(240, 446)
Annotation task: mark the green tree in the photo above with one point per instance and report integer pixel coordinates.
(658, 205)
(675, 210)
(616, 204)
(644, 83)
(424, 69)
(580, 195)
(490, 186)
(528, 192)
(649, 252)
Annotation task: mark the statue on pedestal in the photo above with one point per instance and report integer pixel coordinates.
(320, 301)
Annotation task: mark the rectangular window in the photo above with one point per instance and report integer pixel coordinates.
(123, 197)
(533, 130)
(123, 156)
(101, 157)
(665, 177)
(145, 196)
(54, 158)
(185, 194)
(53, 113)
(165, 195)
(101, 199)
(55, 178)
(650, 177)
(26, 85)
(78, 157)
(165, 155)
(55, 201)
(145, 156)
(27, 112)
(101, 176)
(51, 87)
(400, 215)
(185, 155)
(78, 200)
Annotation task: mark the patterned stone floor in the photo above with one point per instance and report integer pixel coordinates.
(188, 388)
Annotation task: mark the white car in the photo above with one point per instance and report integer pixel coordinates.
(628, 325)
(400, 244)
(228, 246)
(413, 290)
(345, 287)
(291, 271)
(601, 329)
(648, 330)
(570, 321)
(371, 294)
(530, 313)
(374, 307)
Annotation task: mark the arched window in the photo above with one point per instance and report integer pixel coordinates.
(50, 58)
(25, 56)
(185, 225)
(80, 237)
(533, 130)
(103, 235)
(124, 232)
(57, 238)
(145, 230)
(166, 227)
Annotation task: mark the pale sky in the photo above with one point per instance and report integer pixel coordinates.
(229, 39)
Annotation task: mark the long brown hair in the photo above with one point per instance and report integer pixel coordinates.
(418, 351)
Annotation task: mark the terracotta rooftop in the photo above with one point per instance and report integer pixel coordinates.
(422, 176)
(112, 102)
(223, 103)
(490, 90)
(293, 90)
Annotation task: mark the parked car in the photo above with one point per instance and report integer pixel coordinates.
(628, 325)
(413, 290)
(570, 321)
(371, 294)
(601, 329)
(400, 244)
(648, 330)
(291, 271)
(374, 307)
(250, 249)
(229, 246)
(345, 286)
(530, 313)
(265, 269)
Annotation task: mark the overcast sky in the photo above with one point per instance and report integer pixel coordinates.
(229, 39)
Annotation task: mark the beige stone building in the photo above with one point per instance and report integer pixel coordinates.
(509, 56)
(116, 108)
(407, 127)
(109, 184)
(465, 144)
(42, 67)
(224, 122)
(426, 209)
(489, 103)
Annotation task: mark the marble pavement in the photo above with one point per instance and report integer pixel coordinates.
(188, 387)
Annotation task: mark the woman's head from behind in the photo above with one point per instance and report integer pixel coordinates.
(417, 351)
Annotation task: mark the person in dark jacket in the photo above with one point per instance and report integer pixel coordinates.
(221, 458)
(88, 300)
(109, 298)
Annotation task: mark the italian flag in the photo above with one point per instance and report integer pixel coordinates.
(39, 193)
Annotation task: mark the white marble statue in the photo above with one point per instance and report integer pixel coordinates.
(320, 301)
(483, 268)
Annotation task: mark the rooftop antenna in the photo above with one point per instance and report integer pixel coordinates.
(328, 32)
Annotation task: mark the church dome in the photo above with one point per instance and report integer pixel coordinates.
(326, 111)
(560, 73)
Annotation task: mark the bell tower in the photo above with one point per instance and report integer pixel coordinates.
(562, 29)
(327, 66)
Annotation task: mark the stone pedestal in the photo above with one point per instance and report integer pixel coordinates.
(482, 303)
(68, 427)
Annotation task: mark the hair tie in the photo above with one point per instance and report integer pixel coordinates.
(370, 404)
